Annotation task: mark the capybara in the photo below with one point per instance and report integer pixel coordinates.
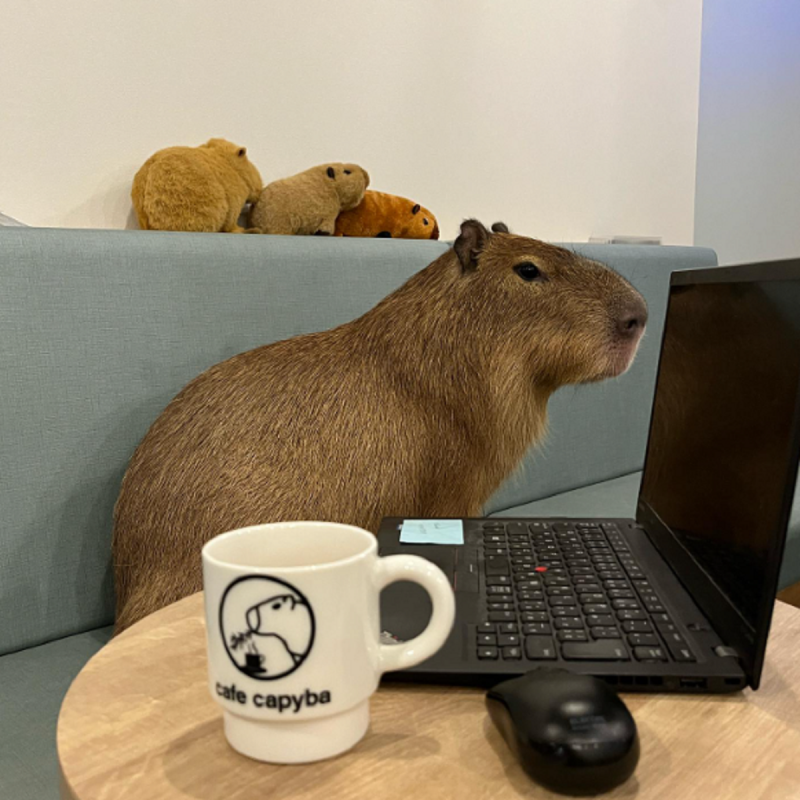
(308, 203)
(387, 216)
(419, 408)
(195, 188)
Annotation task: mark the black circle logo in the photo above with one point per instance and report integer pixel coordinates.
(267, 626)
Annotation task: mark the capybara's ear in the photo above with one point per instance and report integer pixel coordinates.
(470, 243)
(500, 227)
(242, 152)
(416, 208)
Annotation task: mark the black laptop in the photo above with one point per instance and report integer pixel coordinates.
(679, 599)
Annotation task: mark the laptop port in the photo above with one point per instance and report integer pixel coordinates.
(656, 681)
(626, 680)
(693, 683)
(641, 680)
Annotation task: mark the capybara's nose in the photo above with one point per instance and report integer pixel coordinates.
(632, 319)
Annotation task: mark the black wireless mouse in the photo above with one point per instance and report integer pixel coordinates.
(571, 733)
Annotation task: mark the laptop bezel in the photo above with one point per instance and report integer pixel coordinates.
(728, 622)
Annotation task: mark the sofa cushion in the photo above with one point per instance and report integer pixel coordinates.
(617, 498)
(33, 683)
(100, 329)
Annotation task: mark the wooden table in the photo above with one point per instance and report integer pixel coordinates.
(138, 722)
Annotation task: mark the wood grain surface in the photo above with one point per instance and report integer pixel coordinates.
(138, 722)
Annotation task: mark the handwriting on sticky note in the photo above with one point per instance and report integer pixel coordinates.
(432, 531)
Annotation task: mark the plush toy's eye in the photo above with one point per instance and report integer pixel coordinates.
(424, 221)
(415, 210)
(242, 151)
(528, 271)
(348, 172)
(331, 172)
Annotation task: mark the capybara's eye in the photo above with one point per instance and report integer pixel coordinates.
(331, 172)
(528, 271)
(347, 172)
(424, 222)
(276, 606)
(415, 210)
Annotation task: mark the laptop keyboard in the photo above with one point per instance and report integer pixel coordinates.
(570, 588)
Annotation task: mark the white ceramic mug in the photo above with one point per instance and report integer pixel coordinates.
(293, 629)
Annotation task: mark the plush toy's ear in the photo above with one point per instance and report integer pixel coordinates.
(331, 172)
(416, 208)
(500, 227)
(470, 243)
(242, 152)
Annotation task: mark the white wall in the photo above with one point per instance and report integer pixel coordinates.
(748, 163)
(566, 118)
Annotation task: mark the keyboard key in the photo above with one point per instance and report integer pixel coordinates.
(493, 537)
(666, 627)
(605, 575)
(637, 626)
(495, 590)
(512, 653)
(534, 605)
(616, 584)
(535, 616)
(655, 608)
(502, 616)
(678, 647)
(592, 598)
(487, 627)
(649, 654)
(630, 604)
(605, 633)
(508, 640)
(597, 608)
(568, 622)
(657, 618)
(589, 588)
(582, 572)
(529, 586)
(565, 600)
(530, 595)
(539, 648)
(496, 565)
(517, 527)
(600, 650)
(487, 639)
(536, 628)
(507, 627)
(558, 591)
(500, 606)
(572, 636)
(643, 639)
(621, 594)
(556, 580)
(580, 563)
(565, 611)
(624, 614)
(593, 620)
(495, 551)
(487, 653)
(498, 580)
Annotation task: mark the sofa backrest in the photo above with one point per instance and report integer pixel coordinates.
(100, 329)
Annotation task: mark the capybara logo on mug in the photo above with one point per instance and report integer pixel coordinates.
(267, 626)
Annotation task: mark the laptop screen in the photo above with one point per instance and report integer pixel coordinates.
(722, 456)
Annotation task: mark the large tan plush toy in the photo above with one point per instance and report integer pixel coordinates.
(308, 203)
(381, 214)
(195, 188)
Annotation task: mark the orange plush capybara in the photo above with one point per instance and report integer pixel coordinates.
(381, 214)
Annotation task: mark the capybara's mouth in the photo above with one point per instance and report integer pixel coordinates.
(621, 357)
(435, 231)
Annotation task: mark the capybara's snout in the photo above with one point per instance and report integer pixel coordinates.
(631, 318)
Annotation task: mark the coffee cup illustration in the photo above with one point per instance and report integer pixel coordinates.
(267, 626)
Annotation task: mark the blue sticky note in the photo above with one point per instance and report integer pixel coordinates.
(432, 531)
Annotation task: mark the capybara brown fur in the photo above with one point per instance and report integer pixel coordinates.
(419, 408)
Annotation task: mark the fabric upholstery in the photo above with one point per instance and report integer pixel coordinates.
(32, 685)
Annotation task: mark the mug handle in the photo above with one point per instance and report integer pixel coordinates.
(391, 569)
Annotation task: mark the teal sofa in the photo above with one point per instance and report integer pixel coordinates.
(99, 329)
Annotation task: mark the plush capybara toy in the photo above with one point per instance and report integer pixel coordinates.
(309, 203)
(381, 214)
(195, 188)
(419, 408)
